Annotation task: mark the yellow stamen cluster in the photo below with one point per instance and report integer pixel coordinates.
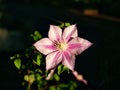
(62, 46)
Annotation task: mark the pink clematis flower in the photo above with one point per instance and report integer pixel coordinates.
(61, 47)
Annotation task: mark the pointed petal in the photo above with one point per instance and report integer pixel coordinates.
(70, 32)
(50, 74)
(55, 33)
(45, 46)
(78, 45)
(69, 60)
(53, 59)
(79, 77)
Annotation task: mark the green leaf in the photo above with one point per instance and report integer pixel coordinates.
(72, 88)
(23, 83)
(67, 24)
(62, 25)
(57, 78)
(39, 71)
(17, 55)
(36, 36)
(38, 60)
(59, 69)
(29, 78)
(12, 58)
(38, 77)
(17, 63)
(52, 88)
(65, 69)
(63, 85)
(58, 88)
(26, 78)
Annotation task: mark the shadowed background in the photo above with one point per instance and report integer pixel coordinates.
(97, 20)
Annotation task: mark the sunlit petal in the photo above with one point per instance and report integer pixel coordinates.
(69, 60)
(78, 45)
(45, 46)
(55, 33)
(53, 59)
(70, 32)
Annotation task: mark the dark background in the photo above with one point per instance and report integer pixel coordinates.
(99, 64)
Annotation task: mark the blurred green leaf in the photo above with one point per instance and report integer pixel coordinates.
(12, 58)
(59, 68)
(38, 77)
(23, 67)
(67, 24)
(17, 63)
(63, 85)
(62, 25)
(52, 88)
(57, 78)
(26, 78)
(58, 88)
(29, 78)
(65, 69)
(72, 88)
(38, 71)
(23, 83)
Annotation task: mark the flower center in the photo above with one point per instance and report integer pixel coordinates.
(61, 46)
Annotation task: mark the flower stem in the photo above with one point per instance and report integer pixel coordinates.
(28, 87)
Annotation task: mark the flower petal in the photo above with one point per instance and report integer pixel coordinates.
(55, 33)
(69, 32)
(78, 45)
(50, 74)
(45, 46)
(69, 60)
(53, 59)
(79, 77)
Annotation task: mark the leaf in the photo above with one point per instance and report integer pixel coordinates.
(39, 71)
(26, 78)
(67, 24)
(57, 78)
(59, 69)
(29, 78)
(72, 88)
(52, 88)
(62, 25)
(65, 69)
(38, 77)
(38, 60)
(36, 36)
(63, 85)
(17, 63)
(13, 57)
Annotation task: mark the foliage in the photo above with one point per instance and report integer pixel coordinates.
(31, 69)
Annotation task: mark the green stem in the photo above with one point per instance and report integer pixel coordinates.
(38, 86)
(28, 87)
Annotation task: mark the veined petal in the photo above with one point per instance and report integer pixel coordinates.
(69, 32)
(78, 45)
(55, 33)
(45, 46)
(53, 59)
(68, 60)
